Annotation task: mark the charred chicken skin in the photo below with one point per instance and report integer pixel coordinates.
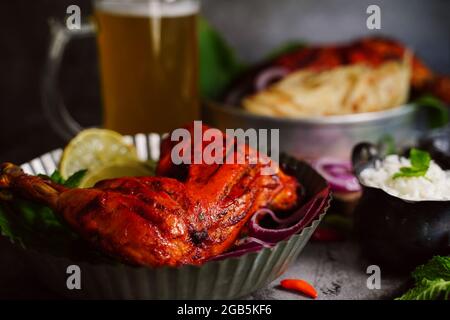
(163, 221)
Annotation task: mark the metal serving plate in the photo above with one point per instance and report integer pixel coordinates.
(330, 136)
(225, 279)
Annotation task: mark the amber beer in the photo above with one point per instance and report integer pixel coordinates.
(149, 64)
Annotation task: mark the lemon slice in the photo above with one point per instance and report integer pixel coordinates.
(118, 169)
(93, 148)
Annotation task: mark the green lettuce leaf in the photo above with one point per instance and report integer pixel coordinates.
(432, 281)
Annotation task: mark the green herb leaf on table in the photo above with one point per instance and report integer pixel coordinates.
(432, 281)
(420, 162)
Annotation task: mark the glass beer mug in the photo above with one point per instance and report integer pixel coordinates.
(148, 65)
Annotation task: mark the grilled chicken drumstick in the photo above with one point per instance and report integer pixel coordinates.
(156, 221)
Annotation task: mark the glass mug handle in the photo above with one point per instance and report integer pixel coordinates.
(54, 107)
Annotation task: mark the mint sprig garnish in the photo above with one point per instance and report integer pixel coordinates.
(34, 225)
(420, 162)
(432, 281)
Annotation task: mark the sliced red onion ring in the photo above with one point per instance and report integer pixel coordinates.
(269, 76)
(251, 242)
(264, 212)
(237, 252)
(338, 173)
(247, 244)
(307, 212)
(260, 237)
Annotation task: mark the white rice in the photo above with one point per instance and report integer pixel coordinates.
(435, 185)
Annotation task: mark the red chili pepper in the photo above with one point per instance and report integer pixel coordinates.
(299, 285)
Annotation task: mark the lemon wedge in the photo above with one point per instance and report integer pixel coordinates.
(93, 149)
(118, 169)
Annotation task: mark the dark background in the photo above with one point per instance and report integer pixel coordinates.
(252, 27)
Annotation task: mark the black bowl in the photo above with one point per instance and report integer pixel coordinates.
(397, 233)
(437, 142)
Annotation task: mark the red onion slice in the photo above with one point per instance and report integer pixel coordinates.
(308, 212)
(247, 244)
(338, 173)
(237, 252)
(269, 76)
(260, 237)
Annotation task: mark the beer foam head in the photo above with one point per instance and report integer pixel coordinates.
(149, 8)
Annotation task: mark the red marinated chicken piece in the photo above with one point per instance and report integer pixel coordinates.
(156, 221)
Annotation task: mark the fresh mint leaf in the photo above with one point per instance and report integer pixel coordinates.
(34, 225)
(438, 267)
(407, 172)
(419, 159)
(31, 225)
(432, 281)
(6, 229)
(429, 290)
(74, 180)
(420, 162)
(57, 177)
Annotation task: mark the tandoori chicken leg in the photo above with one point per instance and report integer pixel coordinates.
(157, 221)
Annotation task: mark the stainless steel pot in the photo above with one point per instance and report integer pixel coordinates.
(330, 136)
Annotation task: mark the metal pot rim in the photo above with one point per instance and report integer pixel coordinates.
(358, 118)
